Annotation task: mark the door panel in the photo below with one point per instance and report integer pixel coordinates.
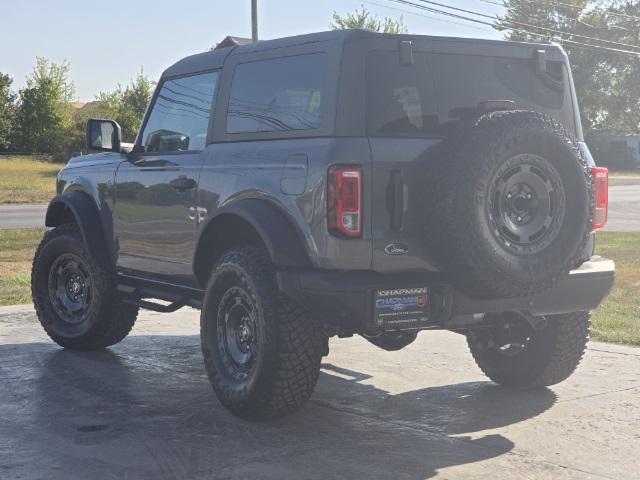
(155, 208)
(153, 221)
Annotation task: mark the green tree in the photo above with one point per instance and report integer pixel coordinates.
(44, 114)
(127, 105)
(364, 19)
(606, 81)
(76, 138)
(7, 111)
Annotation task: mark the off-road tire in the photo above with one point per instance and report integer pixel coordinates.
(108, 319)
(469, 209)
(551, 355)
(392, 342)
(289, 345)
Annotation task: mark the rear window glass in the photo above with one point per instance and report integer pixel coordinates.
(282, 94)
(436, 91)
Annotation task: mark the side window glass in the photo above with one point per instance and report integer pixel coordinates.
(179, 119)
(282, 94)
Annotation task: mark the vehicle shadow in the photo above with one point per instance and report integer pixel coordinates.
(145, 409)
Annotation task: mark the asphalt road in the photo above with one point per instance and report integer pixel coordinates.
(624, 211)
(624, 208)
(22, 216)
(144, 409)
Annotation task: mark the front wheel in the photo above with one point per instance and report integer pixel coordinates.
(75, 297)
(529, 357)
(261, 351)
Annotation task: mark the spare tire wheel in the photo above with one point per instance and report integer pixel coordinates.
(514, 205)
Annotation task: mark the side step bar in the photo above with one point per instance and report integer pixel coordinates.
(158, 307)
(139, 295)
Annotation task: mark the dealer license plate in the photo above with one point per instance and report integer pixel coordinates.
(401, 308)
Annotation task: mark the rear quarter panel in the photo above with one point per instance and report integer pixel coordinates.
(260, 169)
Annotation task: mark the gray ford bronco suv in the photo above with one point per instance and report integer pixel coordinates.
(334, 184)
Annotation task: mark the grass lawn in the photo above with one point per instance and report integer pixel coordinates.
(25, 180)
(16, 252)
(616, 321)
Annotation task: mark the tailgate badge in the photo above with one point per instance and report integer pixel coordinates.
(396, 249)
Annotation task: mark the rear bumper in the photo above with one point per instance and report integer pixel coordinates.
(346, 299)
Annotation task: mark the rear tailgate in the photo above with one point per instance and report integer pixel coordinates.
(412, 107)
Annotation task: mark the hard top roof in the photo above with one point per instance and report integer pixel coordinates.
(215, 58)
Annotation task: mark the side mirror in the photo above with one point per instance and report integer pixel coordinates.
(104, 135)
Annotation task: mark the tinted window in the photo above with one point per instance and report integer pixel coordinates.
(277, 95)
(180, 116)
(436, 91)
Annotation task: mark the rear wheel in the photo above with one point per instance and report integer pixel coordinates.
(515, 354)
(75, 297)
(262, 352)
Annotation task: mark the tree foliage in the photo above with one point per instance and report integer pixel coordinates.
(607, 82)
(127, 105)
(364, 19)
(44, 115)
(7, 111)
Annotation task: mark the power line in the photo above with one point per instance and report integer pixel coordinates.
(520, 30)
(561, 4)
(431, 17)
(528, 25)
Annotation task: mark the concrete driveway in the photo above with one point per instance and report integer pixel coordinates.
(144, 410)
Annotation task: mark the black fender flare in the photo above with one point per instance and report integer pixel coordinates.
(87, 216)
(284, 242)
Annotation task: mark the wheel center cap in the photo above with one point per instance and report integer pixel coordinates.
(244, 333)
(521, 203)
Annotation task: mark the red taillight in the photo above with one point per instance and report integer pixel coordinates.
(344, 205)
(600, 196)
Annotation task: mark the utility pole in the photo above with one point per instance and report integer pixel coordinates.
(254, 20)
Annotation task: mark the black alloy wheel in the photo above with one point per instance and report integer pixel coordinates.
(527, 204)
(237, 332)
(70, 289)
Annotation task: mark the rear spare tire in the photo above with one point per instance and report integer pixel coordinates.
(513, 203)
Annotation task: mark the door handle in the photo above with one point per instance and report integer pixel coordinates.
(182, 183)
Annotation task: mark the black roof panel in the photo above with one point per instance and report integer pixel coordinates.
(215, 59)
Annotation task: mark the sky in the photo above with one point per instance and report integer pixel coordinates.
(107, 42)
